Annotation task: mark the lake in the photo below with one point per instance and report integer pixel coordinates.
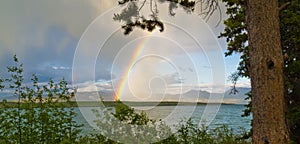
(211, 115)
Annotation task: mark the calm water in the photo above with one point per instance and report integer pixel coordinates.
(213, 116)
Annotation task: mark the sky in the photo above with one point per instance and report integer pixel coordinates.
(80, 41)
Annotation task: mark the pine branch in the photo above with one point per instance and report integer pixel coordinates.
(284, 6)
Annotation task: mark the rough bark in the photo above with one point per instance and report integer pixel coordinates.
(266, 72)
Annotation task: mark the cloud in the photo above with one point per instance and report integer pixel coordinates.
(25, 23)
(92, 86)
(60, 68)
(173, 78)
(31, 19)
(44, 34)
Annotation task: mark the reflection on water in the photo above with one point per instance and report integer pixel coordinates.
(229, 115)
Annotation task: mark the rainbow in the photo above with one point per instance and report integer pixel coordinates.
(136, 54)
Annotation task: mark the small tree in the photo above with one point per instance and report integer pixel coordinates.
(42, 113)
(128, 126)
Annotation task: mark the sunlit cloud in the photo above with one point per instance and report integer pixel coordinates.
(60, 68)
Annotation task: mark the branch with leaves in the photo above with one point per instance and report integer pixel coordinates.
(132, 18)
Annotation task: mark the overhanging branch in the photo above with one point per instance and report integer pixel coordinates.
(284, 6)
(132, 17)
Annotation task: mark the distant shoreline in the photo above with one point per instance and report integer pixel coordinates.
(111, 104)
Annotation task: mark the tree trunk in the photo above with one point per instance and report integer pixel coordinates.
(266, 72)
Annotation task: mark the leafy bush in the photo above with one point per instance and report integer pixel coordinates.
(187, 133)
(41, 113)
(126, 125)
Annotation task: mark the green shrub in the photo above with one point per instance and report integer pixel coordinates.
(128, 126)
(187, 133)
(41, 113)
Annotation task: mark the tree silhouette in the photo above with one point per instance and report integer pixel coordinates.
(132, 17)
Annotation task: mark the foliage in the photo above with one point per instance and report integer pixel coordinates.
(44, 114)
(290, 38)
(236, 36)
(188, 132)
(126, 125)
(39, 116)
(132, 17)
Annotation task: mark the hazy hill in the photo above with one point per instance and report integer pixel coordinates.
(190, 96)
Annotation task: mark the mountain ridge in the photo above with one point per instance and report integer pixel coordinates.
(189, 96)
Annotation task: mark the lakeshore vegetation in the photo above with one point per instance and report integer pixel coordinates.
(44, 113)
